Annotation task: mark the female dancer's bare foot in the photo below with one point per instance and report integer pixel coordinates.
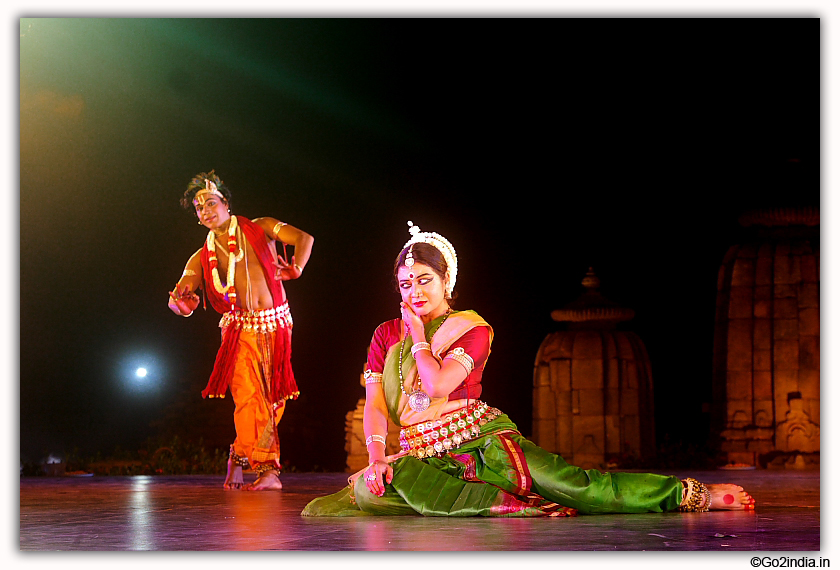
(269, 480)
(234, 479)
(728, 497)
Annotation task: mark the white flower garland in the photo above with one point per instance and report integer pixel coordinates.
(232, 257)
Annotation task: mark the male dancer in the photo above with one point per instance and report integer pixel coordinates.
(240, 272)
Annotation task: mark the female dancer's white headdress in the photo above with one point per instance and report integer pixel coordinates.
(441, 244)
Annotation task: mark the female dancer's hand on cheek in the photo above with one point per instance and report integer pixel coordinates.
(412, 322)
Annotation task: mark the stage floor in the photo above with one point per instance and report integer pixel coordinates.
(194, 513)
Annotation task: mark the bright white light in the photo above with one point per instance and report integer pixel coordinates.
(140, 372)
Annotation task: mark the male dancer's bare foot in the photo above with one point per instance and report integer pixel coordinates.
(728, 497)
(234, 479)
(268, 481)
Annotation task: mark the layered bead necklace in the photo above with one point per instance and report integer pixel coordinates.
(418, 400)
(228, 289)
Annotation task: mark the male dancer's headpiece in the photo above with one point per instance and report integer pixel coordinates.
(201, 187)
(209, 188)
(438, 242)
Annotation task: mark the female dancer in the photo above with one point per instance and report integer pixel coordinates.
(461, 457)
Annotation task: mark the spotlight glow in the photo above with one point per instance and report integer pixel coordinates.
(140, 371)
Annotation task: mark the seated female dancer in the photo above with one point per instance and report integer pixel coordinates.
(461, 457)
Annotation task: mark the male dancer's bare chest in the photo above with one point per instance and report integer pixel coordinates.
(249, 279)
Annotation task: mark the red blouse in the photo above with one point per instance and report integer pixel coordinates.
(476, 343)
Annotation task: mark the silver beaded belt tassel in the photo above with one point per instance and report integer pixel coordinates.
(436, 437)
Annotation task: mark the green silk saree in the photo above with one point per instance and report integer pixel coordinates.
(499, 473)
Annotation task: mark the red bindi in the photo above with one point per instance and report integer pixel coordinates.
(728, 499)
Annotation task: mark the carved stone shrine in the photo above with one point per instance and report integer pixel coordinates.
(593, 393)
(766, 378)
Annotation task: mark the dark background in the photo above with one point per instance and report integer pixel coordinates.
(539, 147)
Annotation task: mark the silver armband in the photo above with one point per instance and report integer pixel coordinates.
(372, 377)
(460, 356)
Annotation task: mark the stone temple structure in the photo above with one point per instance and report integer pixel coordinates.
(593, 393)
(766, 378)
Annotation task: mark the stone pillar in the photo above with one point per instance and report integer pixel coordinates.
(593, 393)
(354, 436)
(766, 376)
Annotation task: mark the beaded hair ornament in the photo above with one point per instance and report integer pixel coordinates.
(438, 242)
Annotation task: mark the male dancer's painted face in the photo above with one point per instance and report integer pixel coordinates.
(211, 210)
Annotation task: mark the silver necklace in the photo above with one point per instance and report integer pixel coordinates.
(418, 400)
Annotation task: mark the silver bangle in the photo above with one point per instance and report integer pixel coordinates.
(188, 314)
(418, 346)
(373, 438)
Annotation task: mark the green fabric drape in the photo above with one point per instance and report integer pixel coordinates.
(481, 478)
